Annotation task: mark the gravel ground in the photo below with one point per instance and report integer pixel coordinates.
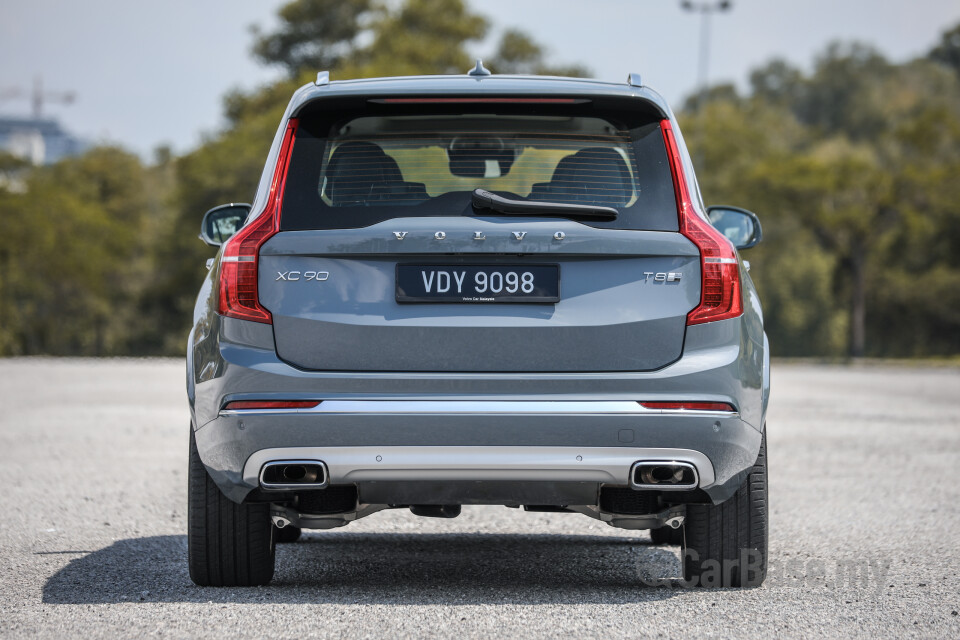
(865, 522)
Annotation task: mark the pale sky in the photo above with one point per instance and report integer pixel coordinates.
(151, 73)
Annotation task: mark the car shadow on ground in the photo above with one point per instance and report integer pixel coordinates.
(398, 569)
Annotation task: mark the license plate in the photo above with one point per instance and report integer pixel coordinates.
(478, 283)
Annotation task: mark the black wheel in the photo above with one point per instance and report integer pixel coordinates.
(725, 545)
(288, 534)
(667, 535)
(229, 544)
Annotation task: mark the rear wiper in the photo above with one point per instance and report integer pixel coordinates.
(486, 200)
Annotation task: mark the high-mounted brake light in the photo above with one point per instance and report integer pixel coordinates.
(271, 404)
(689, 406)
(479, 100)
(720, 296)
(238, 267)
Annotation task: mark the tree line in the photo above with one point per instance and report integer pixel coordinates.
(853, 167)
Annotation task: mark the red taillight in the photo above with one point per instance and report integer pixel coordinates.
(238, 272)
(239, 265)
(689, 406)
(720, 296)
(271, 404)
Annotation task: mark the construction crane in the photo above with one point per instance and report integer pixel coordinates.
(39, 96)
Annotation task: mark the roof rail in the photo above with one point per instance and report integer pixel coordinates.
(479, 70)
(634, 80)
(323, 77)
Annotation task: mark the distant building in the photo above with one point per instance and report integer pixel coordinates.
(39, 140)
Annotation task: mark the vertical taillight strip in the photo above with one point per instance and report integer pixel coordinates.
(238, 296)
(720, 295)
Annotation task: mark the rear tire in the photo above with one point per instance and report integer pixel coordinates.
(667, 536)
(229, 544)
(725, 545)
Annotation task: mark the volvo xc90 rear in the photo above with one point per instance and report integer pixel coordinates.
(478, 289)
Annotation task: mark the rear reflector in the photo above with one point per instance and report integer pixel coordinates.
(689, 406)
(271, 404)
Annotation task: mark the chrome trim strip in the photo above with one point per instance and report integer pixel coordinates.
(720, 260)
(278, 486)
(664, 487)
(479, 407)
(611, 465)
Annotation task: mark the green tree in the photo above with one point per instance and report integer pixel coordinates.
(313, 35)
(518, 53)
(418, 37)
(72, 246)
(777, 83)
(844, 198)
(917, 290)
(848, 166)
(947, 50)
(745, 144)
(414, 37)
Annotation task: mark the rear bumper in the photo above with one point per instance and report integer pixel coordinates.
(480, 474)
(479, 429)
(370, 442)
(603, 465)
(477, 463)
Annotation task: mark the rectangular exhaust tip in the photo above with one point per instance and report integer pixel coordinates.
(285, 475)
(663, 475)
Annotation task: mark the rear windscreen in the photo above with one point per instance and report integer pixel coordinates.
(351, 171)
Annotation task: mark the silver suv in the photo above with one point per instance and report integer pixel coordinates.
(478, 289)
